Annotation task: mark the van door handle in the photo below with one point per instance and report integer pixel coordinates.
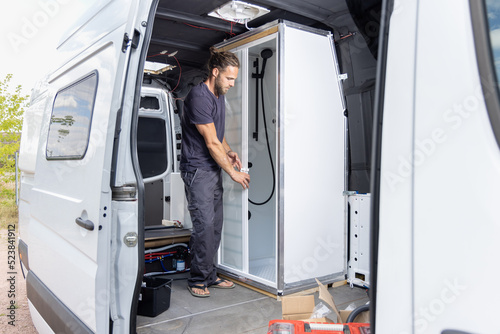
(86, 224)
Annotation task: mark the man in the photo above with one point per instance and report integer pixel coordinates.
(204, 153)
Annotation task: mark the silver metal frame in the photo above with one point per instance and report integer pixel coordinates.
(288, 288)
(280, 258)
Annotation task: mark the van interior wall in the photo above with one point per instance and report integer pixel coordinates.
(360, 65)
(358, 58)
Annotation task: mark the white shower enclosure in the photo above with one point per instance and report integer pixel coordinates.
(288, 125)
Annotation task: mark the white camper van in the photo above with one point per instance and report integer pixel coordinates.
(372, 141)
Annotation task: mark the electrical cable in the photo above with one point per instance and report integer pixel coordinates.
(356, 312)
(246, 25)
(180, 74)
(158, 54)
(164, 52)
(198, 27)
(231, 22)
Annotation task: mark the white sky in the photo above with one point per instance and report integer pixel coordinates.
(30, 31)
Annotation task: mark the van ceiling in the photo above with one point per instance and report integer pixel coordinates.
(184, 27)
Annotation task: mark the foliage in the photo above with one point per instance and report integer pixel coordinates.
(12, 106)
(8, 208)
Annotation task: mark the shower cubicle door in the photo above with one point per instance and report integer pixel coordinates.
(248, 247)
(233, 250)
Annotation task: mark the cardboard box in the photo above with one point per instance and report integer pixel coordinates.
(302, 307)
(297, 307)
(362, 318)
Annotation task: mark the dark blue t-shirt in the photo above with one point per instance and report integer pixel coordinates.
(200, 107)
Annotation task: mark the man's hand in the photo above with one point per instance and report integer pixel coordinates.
(234, 159)
(241, 178)
(222, 154)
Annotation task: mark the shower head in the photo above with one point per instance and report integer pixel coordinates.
(266, 53)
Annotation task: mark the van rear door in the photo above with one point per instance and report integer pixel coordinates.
(72, 242)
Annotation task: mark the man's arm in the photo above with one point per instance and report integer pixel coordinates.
(233, 156)
(218, 151)
(226, 145)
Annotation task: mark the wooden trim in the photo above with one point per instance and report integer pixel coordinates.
(165, 242)
(249, 39)
(251, 287)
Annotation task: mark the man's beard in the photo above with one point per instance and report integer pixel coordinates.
(219, 90)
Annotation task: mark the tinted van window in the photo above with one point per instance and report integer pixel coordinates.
(493, 12)
(152, 146)
(150, 102)
(71, 119)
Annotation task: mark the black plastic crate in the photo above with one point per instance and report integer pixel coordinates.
(155, 296)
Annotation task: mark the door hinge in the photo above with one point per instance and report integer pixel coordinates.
(125, 193)
(342, 76)
(134, 41)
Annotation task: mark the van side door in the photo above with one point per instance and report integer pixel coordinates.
(70, 225)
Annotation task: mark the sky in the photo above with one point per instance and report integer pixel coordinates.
(31, 30)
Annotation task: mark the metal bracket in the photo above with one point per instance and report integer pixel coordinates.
(134, 41)
(349, 193)
(126, 41)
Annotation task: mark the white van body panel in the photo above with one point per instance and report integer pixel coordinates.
(440, 178)
(63, 190)
(395, 205)
(455, 152)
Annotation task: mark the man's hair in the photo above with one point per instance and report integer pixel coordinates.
(221, 60)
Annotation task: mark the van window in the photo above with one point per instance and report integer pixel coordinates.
(493, 12)
(150, 102)
(152, 146)
(70, 120)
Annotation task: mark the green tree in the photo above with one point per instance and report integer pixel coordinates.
(12, 106)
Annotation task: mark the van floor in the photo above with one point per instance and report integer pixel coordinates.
(231, 311)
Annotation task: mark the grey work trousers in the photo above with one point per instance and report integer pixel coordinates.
(204, 195)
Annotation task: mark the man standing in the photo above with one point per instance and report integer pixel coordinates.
(204, 153)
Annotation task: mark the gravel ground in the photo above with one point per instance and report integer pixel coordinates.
(13, 290)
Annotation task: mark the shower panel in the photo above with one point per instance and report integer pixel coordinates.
(285, 117)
